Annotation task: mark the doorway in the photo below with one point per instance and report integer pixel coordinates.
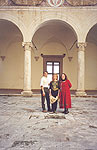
(53, 64)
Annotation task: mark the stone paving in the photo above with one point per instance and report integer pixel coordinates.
(24, 127)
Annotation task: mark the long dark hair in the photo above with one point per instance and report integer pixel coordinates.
(61, 77)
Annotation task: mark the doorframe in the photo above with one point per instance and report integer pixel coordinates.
(53, 58)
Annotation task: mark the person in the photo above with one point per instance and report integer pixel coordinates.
(65, 96)
(45, 91)
(54, 91)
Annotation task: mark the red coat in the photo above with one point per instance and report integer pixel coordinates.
(65, 97)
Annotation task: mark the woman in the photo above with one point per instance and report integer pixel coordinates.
(65, 96)
(54, 92)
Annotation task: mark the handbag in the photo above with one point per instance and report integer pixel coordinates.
(53, 99)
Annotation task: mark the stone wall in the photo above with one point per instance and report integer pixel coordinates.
(22, 24)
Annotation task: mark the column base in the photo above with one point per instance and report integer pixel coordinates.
(26, 93)
(81, 93)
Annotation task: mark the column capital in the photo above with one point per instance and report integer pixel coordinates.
(81, 46)
(27, 45)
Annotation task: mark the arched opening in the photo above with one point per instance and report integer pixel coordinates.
(91, 61)
(11, 57)
(55, 38)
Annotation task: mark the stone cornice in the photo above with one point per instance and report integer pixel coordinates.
(45, 8)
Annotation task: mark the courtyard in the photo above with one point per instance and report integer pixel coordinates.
(23, 125)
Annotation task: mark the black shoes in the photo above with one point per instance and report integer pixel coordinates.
(49, 110)
(66, 111)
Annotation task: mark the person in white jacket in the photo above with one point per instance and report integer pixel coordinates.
(45, 91)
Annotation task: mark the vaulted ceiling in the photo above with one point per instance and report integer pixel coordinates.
(52, 31)
(92, 35)
(8, 30)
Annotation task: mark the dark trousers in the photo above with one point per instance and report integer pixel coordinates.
(65, 109)
(54, 106)
(46, 90)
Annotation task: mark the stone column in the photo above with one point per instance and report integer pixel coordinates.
(81, 70)
(27, 69)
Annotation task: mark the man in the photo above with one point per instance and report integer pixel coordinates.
(45, 91)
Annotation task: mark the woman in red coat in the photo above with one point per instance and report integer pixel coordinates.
(65, 96)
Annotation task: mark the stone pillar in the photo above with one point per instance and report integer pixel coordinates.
(81, 70)
(27, 69)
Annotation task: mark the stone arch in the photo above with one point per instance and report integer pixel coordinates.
(16, 22)
(11, 48)
(50, 48)
(91, 55)
(36, 24)
(92, 21)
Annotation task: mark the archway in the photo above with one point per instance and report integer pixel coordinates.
(55, 38)
(11, 57)
(91, 61)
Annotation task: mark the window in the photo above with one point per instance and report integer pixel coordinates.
(53, 64)
(52, 67)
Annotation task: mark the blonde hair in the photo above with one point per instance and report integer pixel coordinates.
(55, 74)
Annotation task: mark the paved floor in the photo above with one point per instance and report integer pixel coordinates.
(24, 127)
